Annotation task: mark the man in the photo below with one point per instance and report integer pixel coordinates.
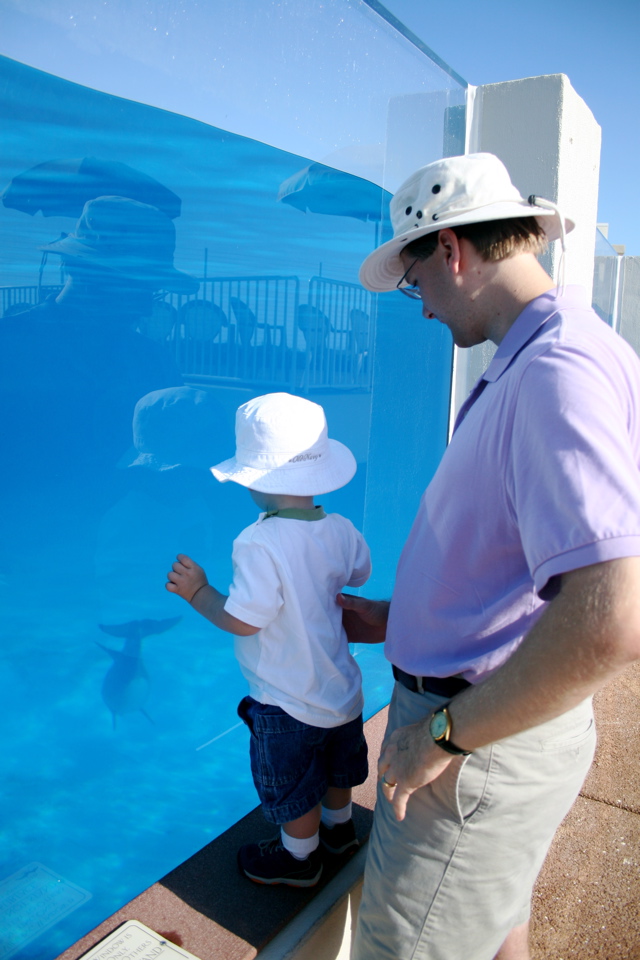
(73, 367)
(518, 591)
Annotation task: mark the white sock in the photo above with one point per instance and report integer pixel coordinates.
(300, 849)
(332, 817)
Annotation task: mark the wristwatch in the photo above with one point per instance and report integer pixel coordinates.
(440, 730)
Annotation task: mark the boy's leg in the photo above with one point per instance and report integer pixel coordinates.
(337, 830)
(337, 798)
(347, 766)
(290, 781)
(306, 826)
(300, 837)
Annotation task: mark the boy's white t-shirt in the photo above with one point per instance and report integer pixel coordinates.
(286, 574)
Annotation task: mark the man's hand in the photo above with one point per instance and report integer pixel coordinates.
(365, 621)
(185, 578)
(409, 759)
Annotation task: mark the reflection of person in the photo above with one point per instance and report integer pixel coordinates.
(165, 503)
(518, 591)
(305, 708)
(77, 356)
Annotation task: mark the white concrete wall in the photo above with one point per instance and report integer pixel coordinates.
(549, 140)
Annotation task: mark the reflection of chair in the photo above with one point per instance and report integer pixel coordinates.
(160, 325)
(15, 308)
(359, 323)
(201, 320)
(246, 322)
(199, 323)
(315, 327)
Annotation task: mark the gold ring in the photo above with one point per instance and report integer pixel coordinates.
(386, 782)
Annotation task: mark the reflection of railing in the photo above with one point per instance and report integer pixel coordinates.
(16, 299)
(256, 330)
(337, 328)
(238, 328)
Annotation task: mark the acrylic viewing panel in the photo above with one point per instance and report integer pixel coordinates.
(119, 702)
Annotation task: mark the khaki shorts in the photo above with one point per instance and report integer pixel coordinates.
(456, 875)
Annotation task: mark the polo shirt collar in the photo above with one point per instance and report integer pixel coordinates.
(535, 314)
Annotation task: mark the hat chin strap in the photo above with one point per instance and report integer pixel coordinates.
(548, 205)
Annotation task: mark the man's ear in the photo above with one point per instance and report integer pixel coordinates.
(451, 250)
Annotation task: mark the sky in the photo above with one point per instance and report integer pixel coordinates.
(595, 44)
(170, 57)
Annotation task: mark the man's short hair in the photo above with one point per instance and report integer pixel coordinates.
(494, 240)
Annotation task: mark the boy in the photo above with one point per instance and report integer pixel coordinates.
(305, 707)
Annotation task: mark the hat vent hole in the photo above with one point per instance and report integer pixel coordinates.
(408, 211)
(419, 214)
(436, 188)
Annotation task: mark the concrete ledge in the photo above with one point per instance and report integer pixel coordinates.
(206, 906)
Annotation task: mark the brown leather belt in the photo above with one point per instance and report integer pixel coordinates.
(441, 686)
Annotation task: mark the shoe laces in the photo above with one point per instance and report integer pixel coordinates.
(272, 845)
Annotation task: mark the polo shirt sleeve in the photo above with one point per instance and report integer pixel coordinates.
(255, 596)
(574, 483)
(362, 566)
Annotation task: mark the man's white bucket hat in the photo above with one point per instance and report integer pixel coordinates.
(282, 446)
(449, 193)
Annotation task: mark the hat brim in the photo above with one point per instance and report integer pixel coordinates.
(301, 479)
(383, 269)
(163, 277)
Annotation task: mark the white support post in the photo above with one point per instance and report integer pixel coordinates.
(548, 139)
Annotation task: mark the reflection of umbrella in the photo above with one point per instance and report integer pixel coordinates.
(60, 188)
(322, 189)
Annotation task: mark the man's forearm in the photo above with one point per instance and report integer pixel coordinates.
(587, 635)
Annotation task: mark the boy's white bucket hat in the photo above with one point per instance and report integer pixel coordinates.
(282, 446)
(449, 193)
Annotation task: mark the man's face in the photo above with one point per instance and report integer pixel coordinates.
(443, 295)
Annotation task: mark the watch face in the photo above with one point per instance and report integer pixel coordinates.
(438, 725)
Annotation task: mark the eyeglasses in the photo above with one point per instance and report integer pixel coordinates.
(411, 290)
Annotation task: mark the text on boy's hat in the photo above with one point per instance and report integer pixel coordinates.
(282, 446)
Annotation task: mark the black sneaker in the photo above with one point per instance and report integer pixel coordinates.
(269, 862)
(339, 839)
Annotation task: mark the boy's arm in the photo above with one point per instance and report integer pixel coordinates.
(189, 581)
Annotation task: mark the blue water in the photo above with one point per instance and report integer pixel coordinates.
(111, 769)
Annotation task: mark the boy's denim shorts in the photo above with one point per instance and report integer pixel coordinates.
(294, 763)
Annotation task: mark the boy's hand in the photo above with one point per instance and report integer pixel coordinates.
(185, 578)
(365, 621)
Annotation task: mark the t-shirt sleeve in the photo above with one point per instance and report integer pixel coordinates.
(574, 483)
(362, 566)
(255, 596)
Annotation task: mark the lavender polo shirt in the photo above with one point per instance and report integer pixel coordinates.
(541, 477)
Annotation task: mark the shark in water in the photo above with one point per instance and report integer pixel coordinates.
(126, 684)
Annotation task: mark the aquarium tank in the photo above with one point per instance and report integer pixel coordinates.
(187, 192)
